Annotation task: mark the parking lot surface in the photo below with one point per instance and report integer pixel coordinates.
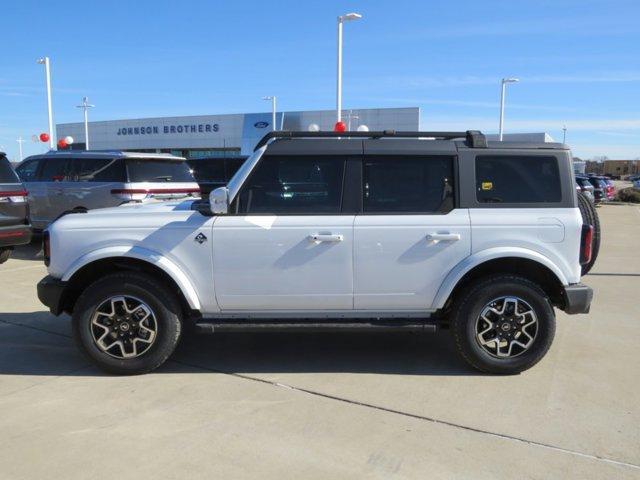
(329, 405)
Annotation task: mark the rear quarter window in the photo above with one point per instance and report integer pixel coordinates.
(151, 170)
(517, 179)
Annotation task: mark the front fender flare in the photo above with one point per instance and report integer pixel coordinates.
(472, 261)
(139, 253)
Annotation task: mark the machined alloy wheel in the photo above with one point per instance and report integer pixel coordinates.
(506, 327)
(502, 323)
(124, 327)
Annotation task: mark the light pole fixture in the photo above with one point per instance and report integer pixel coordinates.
(502, 97)
(341, 19)
(47, 72)
(351, 116)
(20, 142)
(86, 106)
(273, 111)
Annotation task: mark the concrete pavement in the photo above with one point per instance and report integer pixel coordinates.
(330, 405)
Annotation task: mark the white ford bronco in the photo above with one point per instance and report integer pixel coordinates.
(318, 230)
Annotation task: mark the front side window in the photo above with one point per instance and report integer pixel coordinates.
(158, 170)
(517, 179)
(416, 184)
(28, 171)
(289, 185)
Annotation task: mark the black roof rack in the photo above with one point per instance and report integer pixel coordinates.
(473, 138)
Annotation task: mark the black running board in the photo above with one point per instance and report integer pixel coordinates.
(211, 326)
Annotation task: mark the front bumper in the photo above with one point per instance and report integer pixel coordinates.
(577, 298)
(15, 235)
(51, 293)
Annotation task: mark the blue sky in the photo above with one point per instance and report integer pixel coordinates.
(578, 61)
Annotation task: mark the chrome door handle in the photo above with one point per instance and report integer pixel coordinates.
(439, 237)
(325, 237)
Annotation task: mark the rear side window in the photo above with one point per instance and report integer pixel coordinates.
(416, 184)
(28, 170)
(290, 185)
(517, 179)
(152, 170)
(97, 170)
(55, 170)
(7, 175)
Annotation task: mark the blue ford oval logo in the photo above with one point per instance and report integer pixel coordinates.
(261, 124)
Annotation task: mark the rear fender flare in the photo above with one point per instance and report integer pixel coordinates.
(459, 271)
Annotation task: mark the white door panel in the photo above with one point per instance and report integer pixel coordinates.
(283, 262)
(401, 260)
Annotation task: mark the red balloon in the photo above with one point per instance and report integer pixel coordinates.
(44, 137)
(62, 143)
(340, 127)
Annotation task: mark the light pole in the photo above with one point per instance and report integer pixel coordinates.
(350, 116)
(47, 72)
(502, 95)
(86, 106)
(20, 142)
(341, 19)
(273, 111)
(564, 133)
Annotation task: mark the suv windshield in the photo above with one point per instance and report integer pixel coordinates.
(158, 170)
(7, 175)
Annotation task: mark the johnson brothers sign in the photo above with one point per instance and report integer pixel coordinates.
(169, 129)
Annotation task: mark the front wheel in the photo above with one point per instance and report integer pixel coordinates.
(127, 323)
(503, 324)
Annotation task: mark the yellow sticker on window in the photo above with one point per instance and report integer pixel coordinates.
(487, 185)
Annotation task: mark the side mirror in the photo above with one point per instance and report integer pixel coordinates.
(219, 201)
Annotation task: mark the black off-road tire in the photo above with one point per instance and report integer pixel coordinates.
(161, 300)
(5, 253)
(590, 217)
(468, 306)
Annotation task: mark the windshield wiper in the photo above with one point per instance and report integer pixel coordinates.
(163, 177)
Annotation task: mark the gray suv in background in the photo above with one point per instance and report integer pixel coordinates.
(65, 181)
(14, 222)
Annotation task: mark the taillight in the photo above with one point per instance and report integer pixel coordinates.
(13, 196)
(586, 244)
(46, 248)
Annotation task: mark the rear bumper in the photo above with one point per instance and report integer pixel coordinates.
(15, 235)
(577, 298)
(50, 293)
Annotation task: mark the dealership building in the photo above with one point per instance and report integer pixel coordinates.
(223, 135)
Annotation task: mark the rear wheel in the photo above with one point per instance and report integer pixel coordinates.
(5, 253)
(503, 324)
(127, 323)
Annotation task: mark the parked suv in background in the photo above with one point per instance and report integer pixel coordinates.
(214, 172)
(14, 218)
(64, 181)
(583, 185)
(358, 230)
